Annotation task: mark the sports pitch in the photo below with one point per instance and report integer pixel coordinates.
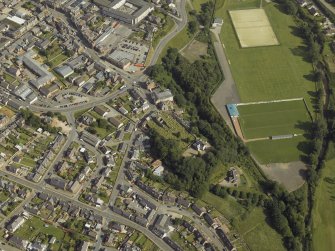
(273, 119)
(253, 28)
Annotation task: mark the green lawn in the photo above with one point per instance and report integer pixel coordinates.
(272, 72)
(197, 4)
(278, 151)
(181, 39)
(271, 119)
(167, 27)
(9, 78)
(3, 197)
(258, 235)
(33, 226)
(252, 226)
(324, 210)
(228, 206)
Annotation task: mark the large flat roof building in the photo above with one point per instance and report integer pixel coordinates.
(128, 11)
(44, 76)
(121, 58)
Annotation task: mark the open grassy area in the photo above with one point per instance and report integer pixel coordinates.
(324, 210)
(197, 4)
(34, 227)
(271, 119)
(181, 39)
(227, 207)
(167, 27)
(6, 111)
(251, 225)
(257, 233)
(278, 151)
(271, 72)
(9, 78)
(3, 197)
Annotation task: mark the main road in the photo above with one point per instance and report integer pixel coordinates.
(179, 26)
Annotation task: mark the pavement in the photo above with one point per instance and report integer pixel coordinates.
(227, 91)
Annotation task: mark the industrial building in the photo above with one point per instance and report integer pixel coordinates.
(121, 58)
(44, 76)
(128, 11)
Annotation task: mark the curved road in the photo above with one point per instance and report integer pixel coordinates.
(176, 29)
(328, 6)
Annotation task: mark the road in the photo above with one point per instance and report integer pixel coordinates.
(78, 107)
(227, 91)
(180, 4)
(120, 177)
(328, 6)
(106, 214)
(163, 209)
(69, 111)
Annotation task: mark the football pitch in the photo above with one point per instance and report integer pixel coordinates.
(273, 119)
(266, 73)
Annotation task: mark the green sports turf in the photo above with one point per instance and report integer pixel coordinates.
(271, 72)
(278, 151)
(271, 119)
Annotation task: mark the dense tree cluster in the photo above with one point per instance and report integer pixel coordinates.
(286, 212)
(35, 121)
(322, 129)
(247, 199)
(192, 85)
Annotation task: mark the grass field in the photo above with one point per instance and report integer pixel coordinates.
(324, 210)
(258, 76)
(258, 235)
(181, 39)
(278, 151)
(34, 227)
(194, 51)
(270, 119)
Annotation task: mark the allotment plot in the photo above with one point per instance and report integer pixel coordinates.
(253, 28)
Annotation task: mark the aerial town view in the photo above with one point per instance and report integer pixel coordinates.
(169, 125)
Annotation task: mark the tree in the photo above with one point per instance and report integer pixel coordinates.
(291, 8)
(192, 27)
(314, 52)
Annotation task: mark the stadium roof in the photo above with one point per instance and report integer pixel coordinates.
(232, 109)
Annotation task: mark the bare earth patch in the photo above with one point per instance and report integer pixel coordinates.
(194, 50)
(290, 175)
(57, 123)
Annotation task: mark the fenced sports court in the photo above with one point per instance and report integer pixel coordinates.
(253, 28)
